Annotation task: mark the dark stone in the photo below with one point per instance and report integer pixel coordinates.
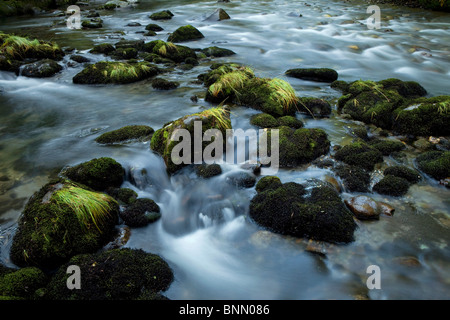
(313, 74)
(41, 69)
(140, 213)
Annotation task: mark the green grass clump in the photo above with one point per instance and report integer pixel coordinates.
(283, 94)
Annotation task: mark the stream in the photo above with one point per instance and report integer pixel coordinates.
(205, 234)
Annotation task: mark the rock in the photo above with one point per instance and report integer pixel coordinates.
(125, 274)
(267, 183)
(124, 54)
(435, 164)
(360, 132)
(264, 120)
(392, 186)
(241, 179)
(403, 172)
(218, 15)
(339, 85)
(422, 144)
(163, 84)
(217, 52)
(123, 195)
(94, 23)
(333, 182)
(355, 179)
(364, 207)
(185, 33)
(176, 53)
(93, 14)
(140, 213)
(41, 69)
(387, 146)
(386, 209)
(121, 238)
(103, 48)
(126, 44)
(214, 118)
(208, 170)
(79, 58)
(408, 261)
(59, 211)
(313, 74)
(134, 24)
(23, 283)
(153, 27)
(112, 72)
(98, 174)
(314, 106)
(289, 210)
(359, 154)
(162, 15)
(127, 133)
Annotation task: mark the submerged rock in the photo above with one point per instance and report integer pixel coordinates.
(289, 210)
(41, 69)
(313, 74)
(115, 274)
(241, 179)
(163, 84)
(61, 220)
(208, 170)
(140, 213)
(185, 33)
(217, 52)
(127, 133)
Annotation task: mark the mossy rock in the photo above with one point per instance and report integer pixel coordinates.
(300, 146)
(163, 84)
(184, 34)
(208, 170)
(264, 120)
(162, 15)
(267, 183)
(387, 146)
(23, 283)
(140, 213)
(61, 220)
(98, 174)
(153, 27)
(168, 50)
(123, 195)
(354, 178)
(314, 106)
(288, 210)
(424, 117)
(127, 133)
(435, 163)
(241, 179)
(118, 274)
(214, 118)
(41, 69)
(217, 52)
(403, 172)
(115, 73)
(290, 121)
(359, 154)
(313, 74)
(79, 58)
(103, 48)
(124, 54)
(339, 85)
(126, 44)
(94, 23)
(392, 186)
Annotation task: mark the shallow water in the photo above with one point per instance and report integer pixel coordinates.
(215, 249)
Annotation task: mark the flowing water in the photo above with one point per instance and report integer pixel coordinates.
(214, 248)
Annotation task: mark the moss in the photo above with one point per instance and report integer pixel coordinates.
(392, 185)
(124, 53)
(288, 210)
(217, 52)
(162, 15)
(115, 73)
(127, 133)
(23, 283)
(103, 48)
(360, 132)
(386, 147)
(407, 89)
(300, 146)
(267, 183)
(290, 121)
(185, 33)
(313, 74)
(403, 172)
(354, 178)
(359, 154)
(435, 163)
(208, 170)
(153, 27)
(339, 85)
(314, 106)
(177, 53)
(118, 274)
(98, 174)
(123, 195)
(229, 85)
(424, 117)
(264, 120)
(94, 23)
(140, 213)
(50, 231)
(41, 69)
(163, 84)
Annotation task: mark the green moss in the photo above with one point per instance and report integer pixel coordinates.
(23, 283)
(229, 85)
(403, 172)
(268, 182)
(354, 178)
(435, 163)
(115, 73)
(264, 120)
(339, 85)
(161, 15)
(50, 230)
(168, 50)
(359, 154)
(163, 84)
(290, 121)
(314, 74)
(314, 106)
(153, 27)
(104, 48)
(140, 213)
(287, 210)
(407, 89)
(98, 174)
(208, 170)
(217, 52)
(119, 274)
(392, 185)
(424, 117)
(123, 195)
(386, 147)
(133, 132)
(185, 33)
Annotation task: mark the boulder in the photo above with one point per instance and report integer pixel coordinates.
(162, 15)
(435, 164)
(140, 213)
(364, 207)
(163, 84)
(313, 74)
(314, 106)
(127, 133)
(392, 186)
(184, 34)
(359, 154)
(41, 69)
(217, 52)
